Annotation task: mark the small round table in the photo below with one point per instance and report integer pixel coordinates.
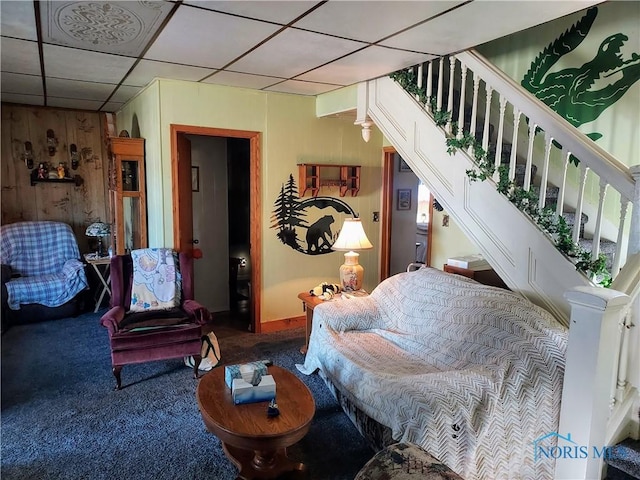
(255, 443)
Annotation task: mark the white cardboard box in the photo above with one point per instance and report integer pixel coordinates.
(470, 262)
(244, 392)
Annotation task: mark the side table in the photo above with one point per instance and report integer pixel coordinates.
(309, 302)
(104, 275)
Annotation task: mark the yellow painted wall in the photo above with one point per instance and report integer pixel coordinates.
(337, 101)
(618, 124)
(447, 242)
(291, 134)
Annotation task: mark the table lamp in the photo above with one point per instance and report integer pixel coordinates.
(351, 237)
(99, 230)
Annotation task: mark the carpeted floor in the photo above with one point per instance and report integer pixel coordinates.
(61, 418)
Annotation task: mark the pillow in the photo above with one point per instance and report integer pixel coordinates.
(157, 283)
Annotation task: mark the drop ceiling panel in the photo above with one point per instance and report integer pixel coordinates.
(147, 70)
(293, 52)
(345, 19)
(18, 20)
(111, 107)
(73, 103)
(123, 94)
(207, 39)
(440, 38)
(19, 56)
(372, 62)
(302, 88)
(23, 99)
(57, 87)
(244, 80)
(122, 28)
(63, 62)
(279, 12)
(18, 83)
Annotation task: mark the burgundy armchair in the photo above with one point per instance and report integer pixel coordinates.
(138, 337)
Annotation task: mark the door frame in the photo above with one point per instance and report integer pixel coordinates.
(386, 199)
(255, 214)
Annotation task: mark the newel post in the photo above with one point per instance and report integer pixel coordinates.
(589, 376)
(634, 233)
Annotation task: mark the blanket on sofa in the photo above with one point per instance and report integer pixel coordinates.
(471, 373)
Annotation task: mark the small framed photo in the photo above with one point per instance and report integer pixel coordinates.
(404, 199)
(195, 179)
(403, 166)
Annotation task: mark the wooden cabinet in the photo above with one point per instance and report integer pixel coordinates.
(127, 194)
(314, 176)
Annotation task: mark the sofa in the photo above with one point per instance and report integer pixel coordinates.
(471, 373)
(42, 274)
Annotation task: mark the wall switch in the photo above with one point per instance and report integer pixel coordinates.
(376, 216)
(445, 220)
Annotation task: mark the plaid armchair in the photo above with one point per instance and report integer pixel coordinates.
(41, 264)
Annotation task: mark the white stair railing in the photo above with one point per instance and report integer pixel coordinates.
(596, 167)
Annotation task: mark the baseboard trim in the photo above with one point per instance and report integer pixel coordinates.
(283, 324)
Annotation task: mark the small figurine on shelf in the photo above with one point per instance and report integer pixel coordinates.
(42, 172)
(61, 172)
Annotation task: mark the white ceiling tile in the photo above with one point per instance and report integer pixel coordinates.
(203, 38)
(112, 107)
(63, 62)
(24, 84)
(124, 94)
(17, 19)
(272, 11)
(73, 103)
(19, 56)
(62, 87)
(302, 88)
(123, 28)
(243, 80)
(437, 36)
(23, 99)
(293, 52)
(147, 70)
(370, 21)
(372, 62)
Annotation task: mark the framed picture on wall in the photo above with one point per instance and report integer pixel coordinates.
(404, 199)
(195, 179)
(403, 166)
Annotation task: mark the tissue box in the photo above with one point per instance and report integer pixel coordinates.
(233, 371)
(243, 392)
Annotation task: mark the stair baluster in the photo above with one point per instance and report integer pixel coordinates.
(527, 170)
(544, 175)
(617, 260)
(595, 247)
(452, 68)
(487, 112)
(461, 107)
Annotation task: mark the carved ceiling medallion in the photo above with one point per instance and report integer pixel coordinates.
(99, 23)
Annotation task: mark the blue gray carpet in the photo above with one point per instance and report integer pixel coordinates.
(61, 418)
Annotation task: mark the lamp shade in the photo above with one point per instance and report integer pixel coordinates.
(98, 229)
(352, 237)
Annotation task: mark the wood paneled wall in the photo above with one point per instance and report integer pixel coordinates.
(65, 202)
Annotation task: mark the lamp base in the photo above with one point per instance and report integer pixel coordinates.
(351, 272)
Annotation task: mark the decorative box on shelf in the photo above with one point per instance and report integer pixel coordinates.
(470, 262)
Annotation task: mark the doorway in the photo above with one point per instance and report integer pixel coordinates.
(407, 208)
(186, 180)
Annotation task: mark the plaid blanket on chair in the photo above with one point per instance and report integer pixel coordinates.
(45, 255)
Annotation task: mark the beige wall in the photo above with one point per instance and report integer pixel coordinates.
(447, 242)
(291, 134)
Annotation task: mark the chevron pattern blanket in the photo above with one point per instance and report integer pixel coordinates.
(473, 374)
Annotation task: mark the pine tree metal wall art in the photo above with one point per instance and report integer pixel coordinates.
(308, 225)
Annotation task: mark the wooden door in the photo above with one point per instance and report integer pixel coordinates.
(182, 196)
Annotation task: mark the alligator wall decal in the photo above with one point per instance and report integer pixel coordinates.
(569, 92)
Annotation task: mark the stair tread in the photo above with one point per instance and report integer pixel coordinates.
(627, 457)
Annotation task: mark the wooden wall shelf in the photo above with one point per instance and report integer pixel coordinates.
(314, 176)
(77, 179)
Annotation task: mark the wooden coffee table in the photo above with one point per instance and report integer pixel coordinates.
(255, 443)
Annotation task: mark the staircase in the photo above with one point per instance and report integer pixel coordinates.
(532, 150)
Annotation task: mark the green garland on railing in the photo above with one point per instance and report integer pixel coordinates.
(525, 200)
